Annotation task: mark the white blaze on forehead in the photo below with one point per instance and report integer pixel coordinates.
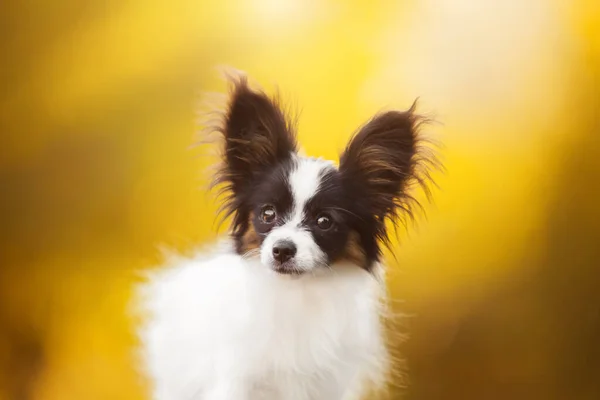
(304, 181)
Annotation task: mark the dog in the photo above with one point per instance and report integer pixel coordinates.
(290, 306)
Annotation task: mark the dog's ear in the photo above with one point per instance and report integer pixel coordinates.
(381, 160)
(256, 132)
(257, 136)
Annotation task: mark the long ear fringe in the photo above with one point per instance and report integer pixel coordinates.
(213, 133)
(424, 162)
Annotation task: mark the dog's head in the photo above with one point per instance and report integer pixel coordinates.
(300, 214)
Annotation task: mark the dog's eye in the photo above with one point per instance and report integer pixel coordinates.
(324, 222)
(268, 214)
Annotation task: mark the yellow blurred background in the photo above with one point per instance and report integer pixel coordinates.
(501, 281)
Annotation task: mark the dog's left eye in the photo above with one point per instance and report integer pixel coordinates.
(324, 222)
(268, 214)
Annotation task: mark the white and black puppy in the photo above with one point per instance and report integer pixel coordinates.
(291, 306)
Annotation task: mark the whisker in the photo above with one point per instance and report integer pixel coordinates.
(251, 253)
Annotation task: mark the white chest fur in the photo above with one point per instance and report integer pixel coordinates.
(226, 328)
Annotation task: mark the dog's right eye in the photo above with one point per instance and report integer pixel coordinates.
(324, 222)
(268, 214)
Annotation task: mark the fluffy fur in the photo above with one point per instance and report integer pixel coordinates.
(290, 307)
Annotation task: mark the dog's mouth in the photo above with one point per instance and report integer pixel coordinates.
(287, 268)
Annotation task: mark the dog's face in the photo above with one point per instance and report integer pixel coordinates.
(300, 214)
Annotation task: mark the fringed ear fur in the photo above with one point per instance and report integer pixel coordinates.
(384, 157)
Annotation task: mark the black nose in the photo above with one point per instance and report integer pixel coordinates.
(284, 250)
